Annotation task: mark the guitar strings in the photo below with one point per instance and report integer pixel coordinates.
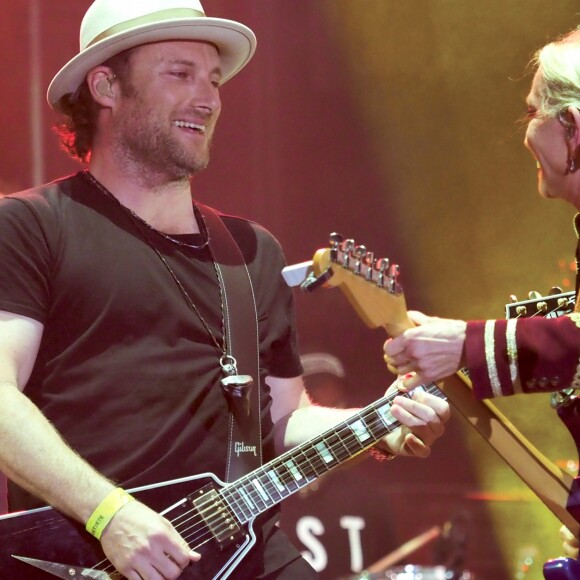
(345, 443)
(316, 463)
(194, 528)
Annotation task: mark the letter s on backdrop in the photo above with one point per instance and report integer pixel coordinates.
(307, 530)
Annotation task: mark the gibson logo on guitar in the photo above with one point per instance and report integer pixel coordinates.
(241, 447)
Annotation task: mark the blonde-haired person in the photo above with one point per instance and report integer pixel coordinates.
(527, 355)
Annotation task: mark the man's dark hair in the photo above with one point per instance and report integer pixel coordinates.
(77, 128)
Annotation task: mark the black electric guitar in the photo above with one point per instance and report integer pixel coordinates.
(373, 288)
(567, 405)
(214, 518)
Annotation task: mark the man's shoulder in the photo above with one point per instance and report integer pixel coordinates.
(243, 226)
(252, 237)
(46, 194)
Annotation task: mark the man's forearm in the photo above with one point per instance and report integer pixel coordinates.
(306, 422)
(34, 456)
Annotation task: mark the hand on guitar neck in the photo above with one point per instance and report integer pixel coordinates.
(372, 287)
(429, 351)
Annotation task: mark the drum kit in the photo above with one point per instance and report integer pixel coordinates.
(450, 549)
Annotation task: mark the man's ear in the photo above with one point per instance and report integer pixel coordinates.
(101, 84)
(573, 121)
(572, 125)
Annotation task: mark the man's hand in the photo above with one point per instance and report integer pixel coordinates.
(430, 351)
(423, 417)
(142, 545)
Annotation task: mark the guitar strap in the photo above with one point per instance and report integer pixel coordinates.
(241, 328)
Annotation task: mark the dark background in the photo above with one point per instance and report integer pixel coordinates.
(396, 124)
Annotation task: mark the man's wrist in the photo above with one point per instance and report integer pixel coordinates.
(106, 511)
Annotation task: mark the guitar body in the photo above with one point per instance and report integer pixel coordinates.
(562, 569)
(215, 519)
(46, 535)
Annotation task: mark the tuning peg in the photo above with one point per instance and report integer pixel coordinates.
(382, 266)
(513, 298)
(533, 295)
(563, 303)
(394, 286)
(369, 260)
(555, 290)
(359, 252)
(521, 311)
(348, 246)
(335, 239)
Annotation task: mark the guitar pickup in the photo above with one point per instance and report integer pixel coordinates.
(216, 515)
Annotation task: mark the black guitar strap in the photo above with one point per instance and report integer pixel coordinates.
(241, 328)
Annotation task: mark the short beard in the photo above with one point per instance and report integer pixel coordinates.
(151, 147)
(160, 154)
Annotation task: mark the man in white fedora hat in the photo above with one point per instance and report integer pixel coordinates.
(117, 368)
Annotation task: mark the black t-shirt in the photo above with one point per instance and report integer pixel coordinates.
(339, 531)
(126, 370)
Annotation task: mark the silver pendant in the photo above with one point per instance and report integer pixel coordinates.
(237, 388)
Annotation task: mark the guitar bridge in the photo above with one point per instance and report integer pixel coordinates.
(217, 516)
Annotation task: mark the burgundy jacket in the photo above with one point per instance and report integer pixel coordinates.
(525, 355)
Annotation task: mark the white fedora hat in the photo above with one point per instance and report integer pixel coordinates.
(112, 26)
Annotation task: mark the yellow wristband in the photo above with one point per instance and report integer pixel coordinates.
(106, 511)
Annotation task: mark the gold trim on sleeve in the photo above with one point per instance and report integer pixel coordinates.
(512, 352)
(489, 342)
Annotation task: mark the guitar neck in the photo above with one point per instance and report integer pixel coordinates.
(270, 484)
(373, 289)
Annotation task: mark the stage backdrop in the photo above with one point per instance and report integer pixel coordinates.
(397, 124)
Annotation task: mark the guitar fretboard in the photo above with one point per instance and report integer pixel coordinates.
(270, 484)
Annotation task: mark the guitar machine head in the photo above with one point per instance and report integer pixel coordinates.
(370, 284)
(555, 304)
(347, 255)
